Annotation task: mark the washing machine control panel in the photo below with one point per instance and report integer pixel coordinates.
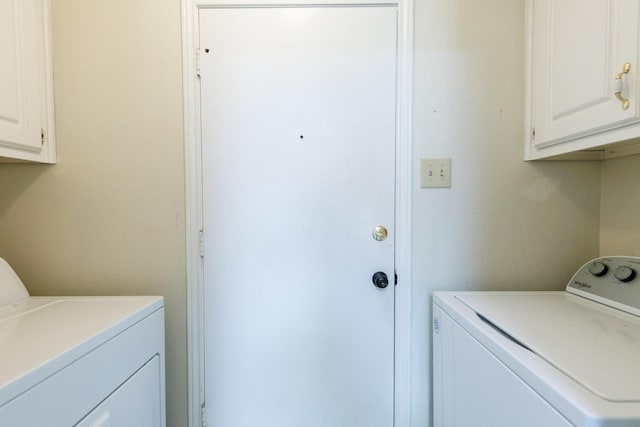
(610, 280)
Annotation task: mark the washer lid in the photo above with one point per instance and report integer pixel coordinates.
(596, 345)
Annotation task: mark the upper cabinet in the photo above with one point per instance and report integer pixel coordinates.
(582, 78)
(26, 82)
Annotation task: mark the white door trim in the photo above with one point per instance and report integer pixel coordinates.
(193, 200)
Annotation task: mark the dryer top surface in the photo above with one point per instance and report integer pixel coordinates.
(41, 335)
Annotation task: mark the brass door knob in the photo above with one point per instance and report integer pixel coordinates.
(380, 233)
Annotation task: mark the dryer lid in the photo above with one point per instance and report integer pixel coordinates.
(596, 345)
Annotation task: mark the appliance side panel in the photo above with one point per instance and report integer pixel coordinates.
(137, 402)
(442, 369)
(71, 393)
(477, 388)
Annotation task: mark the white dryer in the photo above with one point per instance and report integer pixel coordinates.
(80, 361)
(541, 359)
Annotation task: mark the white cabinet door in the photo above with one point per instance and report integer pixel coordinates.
(26, 128)
(577, 50)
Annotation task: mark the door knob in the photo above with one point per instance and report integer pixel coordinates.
(380, 233)
(380, 279)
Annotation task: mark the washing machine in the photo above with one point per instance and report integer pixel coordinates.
(80, 361)
(541, 359)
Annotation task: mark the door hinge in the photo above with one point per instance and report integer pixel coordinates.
(42, 136)
(203, 415)
(533, 133)
(201, 243)
(198, 62)
(395, 278)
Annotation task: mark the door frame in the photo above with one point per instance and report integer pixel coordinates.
(193, 198)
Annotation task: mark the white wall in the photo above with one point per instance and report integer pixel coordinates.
(504, 223)
(620, 208)
(108, 219)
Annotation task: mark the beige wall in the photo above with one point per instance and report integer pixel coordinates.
(620, 208)
(504, 223)
(109, 217)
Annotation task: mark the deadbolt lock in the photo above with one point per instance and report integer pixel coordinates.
(380, 280)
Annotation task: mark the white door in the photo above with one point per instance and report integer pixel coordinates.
(298, 159)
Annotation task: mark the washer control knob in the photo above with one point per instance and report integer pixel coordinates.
(598, 269)
(624, 273)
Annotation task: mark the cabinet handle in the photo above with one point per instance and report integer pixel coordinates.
(619, 84)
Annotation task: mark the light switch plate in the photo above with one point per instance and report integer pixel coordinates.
(435, 173)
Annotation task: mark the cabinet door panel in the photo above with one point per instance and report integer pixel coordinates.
(579, 72)
(8, 63)
(23, 81)
(577, 53)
